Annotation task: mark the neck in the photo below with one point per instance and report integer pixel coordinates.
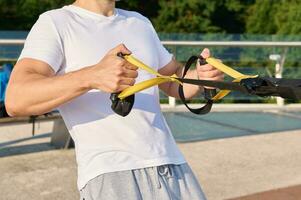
(103, 7)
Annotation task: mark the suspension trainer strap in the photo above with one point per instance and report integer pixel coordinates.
(199, 111)
(286, 88)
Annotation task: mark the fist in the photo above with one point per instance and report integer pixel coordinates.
(208, 72)
(113, 74)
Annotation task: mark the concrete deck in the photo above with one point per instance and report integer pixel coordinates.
(234, 168)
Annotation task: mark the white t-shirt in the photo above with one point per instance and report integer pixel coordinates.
(71, 38)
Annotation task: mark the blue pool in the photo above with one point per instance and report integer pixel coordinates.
(188, 127)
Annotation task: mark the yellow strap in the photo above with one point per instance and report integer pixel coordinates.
(131, 59)
(148, 83)
(229, 71)
(163, 79)
(224, 68)
(142, 85)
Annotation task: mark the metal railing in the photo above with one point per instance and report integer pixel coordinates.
(199, 43)
(279, 63)
(233, 43)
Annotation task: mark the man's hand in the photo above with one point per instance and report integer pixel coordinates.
(208, 72)
(113, 74)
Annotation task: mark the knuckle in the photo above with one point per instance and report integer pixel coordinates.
(119, 72)
(120, 62)
(114, 87)
(209, 66)
(132, 67)
(205, 74)
(116, 80)
(133, 81)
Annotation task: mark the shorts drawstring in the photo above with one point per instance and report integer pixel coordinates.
(157, 177)
(163, 171)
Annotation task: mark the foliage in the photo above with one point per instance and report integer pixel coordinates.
(274, 17)
(21, 14)
(180, 16)
(186, 16)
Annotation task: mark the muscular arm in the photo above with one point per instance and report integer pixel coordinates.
(34, 89)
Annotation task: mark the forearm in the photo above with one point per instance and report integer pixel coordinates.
(37, 94)
(189, 90)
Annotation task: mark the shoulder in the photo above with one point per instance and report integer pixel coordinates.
(56, 15)
(57, 19)
(135, 15)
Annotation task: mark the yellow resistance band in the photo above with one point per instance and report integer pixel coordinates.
(163, 79)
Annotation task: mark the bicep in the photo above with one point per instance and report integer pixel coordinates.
(28, 69)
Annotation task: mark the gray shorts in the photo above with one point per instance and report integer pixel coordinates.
(167, 182)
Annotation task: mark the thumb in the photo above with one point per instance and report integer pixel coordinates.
(120, 49)
(205, 53)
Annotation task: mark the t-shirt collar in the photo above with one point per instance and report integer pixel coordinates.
(91, 14)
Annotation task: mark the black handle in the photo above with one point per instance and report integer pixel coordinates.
(122, 107)
(208, 93)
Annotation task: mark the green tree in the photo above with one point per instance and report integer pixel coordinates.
(275, 17)
(21, 14)
(288, 17)
(186, 16)
(148, 8)
(261, 18)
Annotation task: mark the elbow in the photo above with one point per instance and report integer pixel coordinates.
(12, 109)
(21, 109)
(14, 105)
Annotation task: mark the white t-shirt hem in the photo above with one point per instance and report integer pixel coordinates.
(138, 165)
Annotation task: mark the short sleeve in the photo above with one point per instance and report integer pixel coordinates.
(164, 56)
(43, 43)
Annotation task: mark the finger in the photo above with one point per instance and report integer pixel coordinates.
(130, 73)
(210, 74)
(120, 49)
(122, 87)
(205, 53)
(130, 66)
(206, 67)
(127, 81)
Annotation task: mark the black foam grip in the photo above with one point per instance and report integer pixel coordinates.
(122, 106)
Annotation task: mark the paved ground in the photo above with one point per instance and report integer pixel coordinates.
(289, 193)
(235, 168)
